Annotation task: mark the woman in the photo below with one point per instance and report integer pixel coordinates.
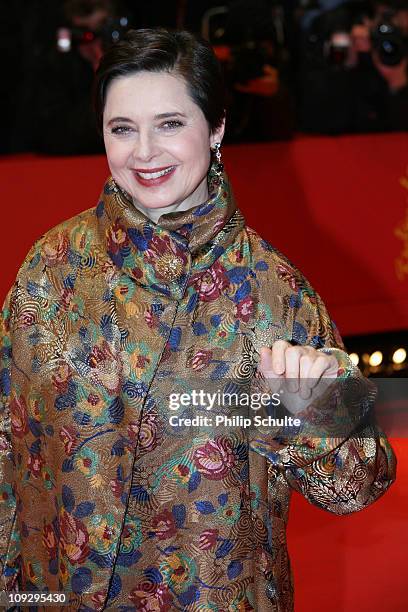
(159, 290)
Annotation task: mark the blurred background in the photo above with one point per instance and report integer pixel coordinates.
(317, 151)
(311, 66)
(294, 68)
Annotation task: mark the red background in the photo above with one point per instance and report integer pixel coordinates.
(332, 205)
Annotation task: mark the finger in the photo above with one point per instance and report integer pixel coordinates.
(278, 356)
(265, 364)
(310, 371)
(332, 369)
(306, 362)
(319, 366)
(292, 367)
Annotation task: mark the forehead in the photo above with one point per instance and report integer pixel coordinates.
(148, 94)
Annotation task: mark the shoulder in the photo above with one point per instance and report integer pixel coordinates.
(283, 285)
(60, 252)
(277, 267)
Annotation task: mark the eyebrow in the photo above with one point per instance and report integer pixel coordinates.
(160, 116)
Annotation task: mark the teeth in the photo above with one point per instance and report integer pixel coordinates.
(154, 175)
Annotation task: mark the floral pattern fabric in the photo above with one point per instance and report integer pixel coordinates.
(110, 314)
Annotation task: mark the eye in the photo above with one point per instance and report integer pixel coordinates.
(172, 125)
(121, 129)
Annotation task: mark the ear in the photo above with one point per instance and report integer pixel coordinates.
(218, 134)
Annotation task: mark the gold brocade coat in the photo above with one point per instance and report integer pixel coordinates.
(103, 500)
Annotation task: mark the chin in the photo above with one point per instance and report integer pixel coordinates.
(157, 203)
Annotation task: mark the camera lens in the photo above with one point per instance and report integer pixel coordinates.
(390, 53)
(389, 43)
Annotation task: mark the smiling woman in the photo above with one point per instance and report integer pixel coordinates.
(161, 111)
(162, 291)
(158, 147)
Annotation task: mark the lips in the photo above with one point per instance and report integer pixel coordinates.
(151, 177)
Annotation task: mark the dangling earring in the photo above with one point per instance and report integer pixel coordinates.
(218, 165)
(120, 191)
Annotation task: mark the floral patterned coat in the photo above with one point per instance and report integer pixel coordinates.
(109, 314)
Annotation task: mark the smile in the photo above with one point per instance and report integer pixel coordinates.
(154, 177)
(154, 174)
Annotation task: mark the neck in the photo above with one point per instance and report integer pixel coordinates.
(199, 195)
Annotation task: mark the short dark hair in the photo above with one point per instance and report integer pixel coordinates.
(159, 50)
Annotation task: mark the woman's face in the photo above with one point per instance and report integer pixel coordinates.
(157, 140)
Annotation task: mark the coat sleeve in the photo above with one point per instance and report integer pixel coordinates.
(8, 541)
(339, 460)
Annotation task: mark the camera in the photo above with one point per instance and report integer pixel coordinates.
(111, 32)
(389, 43)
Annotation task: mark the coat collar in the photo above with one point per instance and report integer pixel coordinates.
(166, 257)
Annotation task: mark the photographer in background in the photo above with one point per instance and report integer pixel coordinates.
(354, 74)
(56, 117)
(261, 106)
(390, 44)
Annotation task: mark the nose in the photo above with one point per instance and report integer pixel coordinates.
(146, 148)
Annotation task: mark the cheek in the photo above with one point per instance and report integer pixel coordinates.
(195, 149)
(117, 154)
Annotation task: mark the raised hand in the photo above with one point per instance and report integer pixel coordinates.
(301, 371)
